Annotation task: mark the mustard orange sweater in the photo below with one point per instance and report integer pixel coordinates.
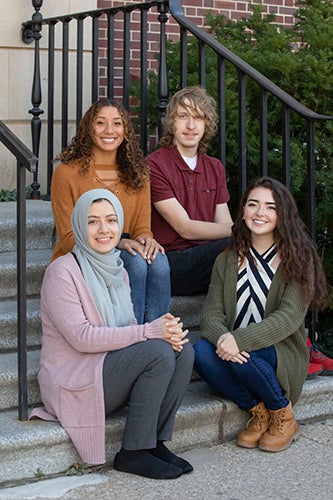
(68, 183)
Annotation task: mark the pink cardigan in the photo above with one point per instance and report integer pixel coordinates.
(74, 345)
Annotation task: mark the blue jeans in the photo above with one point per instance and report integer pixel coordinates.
(191, 268)
(150, 285)
(246, 385)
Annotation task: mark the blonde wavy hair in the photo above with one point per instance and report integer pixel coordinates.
(197, 102)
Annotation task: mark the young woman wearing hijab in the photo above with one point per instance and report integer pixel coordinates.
(105, 154)
(253, 350)
(95, 358)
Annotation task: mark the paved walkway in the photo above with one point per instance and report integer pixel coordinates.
(224, 472)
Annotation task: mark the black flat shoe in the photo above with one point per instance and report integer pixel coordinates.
(142, 463)
(162, 452)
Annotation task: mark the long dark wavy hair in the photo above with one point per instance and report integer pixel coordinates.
(299, 259)
(198, 102)
(132, 166)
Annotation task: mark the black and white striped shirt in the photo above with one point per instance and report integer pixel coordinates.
(253, 283)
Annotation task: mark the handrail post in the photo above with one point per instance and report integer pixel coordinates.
(21, 281)
(163, 81)
(311, 201)
(36, 94)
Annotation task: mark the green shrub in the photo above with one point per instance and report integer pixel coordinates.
(7, 195)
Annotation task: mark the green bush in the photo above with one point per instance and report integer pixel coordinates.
(7, 195)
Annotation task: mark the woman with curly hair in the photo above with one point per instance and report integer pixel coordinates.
(105, 154)
(190, 215)
(253, 349)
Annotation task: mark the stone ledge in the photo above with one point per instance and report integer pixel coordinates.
(202, 419)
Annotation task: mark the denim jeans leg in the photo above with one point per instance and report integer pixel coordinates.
(158, 289)
(217, 373)
(150, 285)
(191, 268)
(136, 267)
(259, 377)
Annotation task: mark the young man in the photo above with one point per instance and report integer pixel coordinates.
(190, 215)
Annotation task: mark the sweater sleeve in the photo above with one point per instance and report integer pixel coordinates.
(68, 310)
(285, 312)
(140, 220)
(63, 199)
(214, 318)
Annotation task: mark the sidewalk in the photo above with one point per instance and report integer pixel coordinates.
(225, 472)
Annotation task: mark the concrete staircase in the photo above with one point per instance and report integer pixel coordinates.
(32, 449)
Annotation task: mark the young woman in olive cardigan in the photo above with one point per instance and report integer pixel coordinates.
(253, 350)
(95, 358)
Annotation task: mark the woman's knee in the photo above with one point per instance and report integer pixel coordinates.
(186, 356)
(160, 351)
(160, 266)
(241, 370)
(135, 265)
(204, 350)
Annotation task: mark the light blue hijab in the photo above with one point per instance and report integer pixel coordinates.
(103, 273)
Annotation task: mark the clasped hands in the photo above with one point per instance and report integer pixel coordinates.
(173, 332)
(147, 247)
(227, 349)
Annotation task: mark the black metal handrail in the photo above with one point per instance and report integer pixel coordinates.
(25, 160)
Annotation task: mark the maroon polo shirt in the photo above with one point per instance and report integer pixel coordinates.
(198, 191)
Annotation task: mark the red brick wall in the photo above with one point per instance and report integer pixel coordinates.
(195, 10)
(233, 9)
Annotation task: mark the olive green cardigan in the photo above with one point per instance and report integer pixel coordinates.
(282, 326)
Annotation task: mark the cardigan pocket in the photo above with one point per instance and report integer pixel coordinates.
(78, 407)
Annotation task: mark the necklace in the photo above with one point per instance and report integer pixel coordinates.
(109, 178)
(114, 188)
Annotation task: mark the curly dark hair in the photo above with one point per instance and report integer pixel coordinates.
(132, 166)
(196, 100)
(296, 248)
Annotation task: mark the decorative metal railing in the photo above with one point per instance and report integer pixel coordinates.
(25, 160)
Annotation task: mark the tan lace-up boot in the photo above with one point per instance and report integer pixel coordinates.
(282, 431)
(255, 427)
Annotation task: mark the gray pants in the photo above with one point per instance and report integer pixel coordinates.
(151, 378)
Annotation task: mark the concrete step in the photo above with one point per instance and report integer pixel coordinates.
(188, 308)
(8, 324)
(37, 260)
(39, 224)
(28, 449)
(9, 376)
(9, 379)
